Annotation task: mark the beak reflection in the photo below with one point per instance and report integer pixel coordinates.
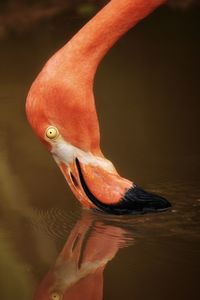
(78, 270)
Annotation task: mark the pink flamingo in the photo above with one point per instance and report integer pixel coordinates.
(61, 110)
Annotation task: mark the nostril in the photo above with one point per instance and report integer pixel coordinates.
(75, 242)
(75, 182)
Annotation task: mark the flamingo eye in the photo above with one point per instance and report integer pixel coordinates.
(52, 132)
(55, 296)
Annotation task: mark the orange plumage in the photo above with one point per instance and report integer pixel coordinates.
(62, 97)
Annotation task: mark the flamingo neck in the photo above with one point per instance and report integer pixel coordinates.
(85, 50)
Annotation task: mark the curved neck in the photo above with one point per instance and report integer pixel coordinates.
(86, 49)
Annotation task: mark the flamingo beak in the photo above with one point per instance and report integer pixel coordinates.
(116, 195)
(96, 183)
(104, 190)
(71, 175)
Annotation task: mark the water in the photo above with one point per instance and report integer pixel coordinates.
(148, 103)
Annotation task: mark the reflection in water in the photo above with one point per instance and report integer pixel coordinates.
(78, 271)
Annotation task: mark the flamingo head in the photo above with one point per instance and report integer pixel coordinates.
(62, 114)
(61, 110)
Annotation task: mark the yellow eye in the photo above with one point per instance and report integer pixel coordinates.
(55, 296)
(52, 132)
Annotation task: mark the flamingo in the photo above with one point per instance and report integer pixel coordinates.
(60, 108)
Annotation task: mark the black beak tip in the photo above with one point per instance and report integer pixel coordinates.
(141, 201)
